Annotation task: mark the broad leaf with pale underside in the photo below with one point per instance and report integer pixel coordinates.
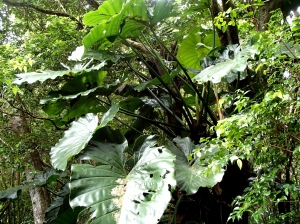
(73, 141)
(215, 73)
(113, 193)
(190, 177)
(32, 77)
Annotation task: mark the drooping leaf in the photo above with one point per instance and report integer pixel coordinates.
(84, 81)
(73, 141)
(142, 143)
(190, 177)
(165, 78)
(185, 144)
(131, 103)
(39, 179)
(110, 114)
(103, 90)
(112, 196)
(60, 211)
(53, 109)
(13, 193)
(32, 77)
(162, 10)
(56, 96)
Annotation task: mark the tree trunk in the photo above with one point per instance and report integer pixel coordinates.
(40, 200)
(40, 197)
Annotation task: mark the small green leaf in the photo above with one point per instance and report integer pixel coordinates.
(297, 149)
(110, 114)
(73, 141)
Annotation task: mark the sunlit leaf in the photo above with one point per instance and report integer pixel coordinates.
(215, 73)
(112, 28)
(110, 114)
(162, 10)
(110, 193)
(32, 77)
(190, 177)
(73, 141)
(191, 51)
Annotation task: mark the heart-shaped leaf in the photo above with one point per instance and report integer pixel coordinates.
(190, 177)
(110, 193)
(215, 73)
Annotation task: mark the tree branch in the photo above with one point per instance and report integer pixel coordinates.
(45, 11)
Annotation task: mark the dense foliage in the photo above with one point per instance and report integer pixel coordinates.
(170, 112)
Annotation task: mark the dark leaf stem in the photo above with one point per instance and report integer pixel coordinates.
(211, 114)
(129, 113)
(174, 96)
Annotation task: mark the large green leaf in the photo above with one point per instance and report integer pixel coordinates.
(141, 144)
(162, 10)
(192, 50)
(39, 179)
(53, 109)
(110, 193)
(132, 29)
(32, 77)
(104, 13)
(132, 9)
(190, 177)
(73, 141)
(103, 90)
(82, 106)
(14, 192)
(215, 73)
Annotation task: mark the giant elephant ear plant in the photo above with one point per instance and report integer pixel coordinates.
(124, 175)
